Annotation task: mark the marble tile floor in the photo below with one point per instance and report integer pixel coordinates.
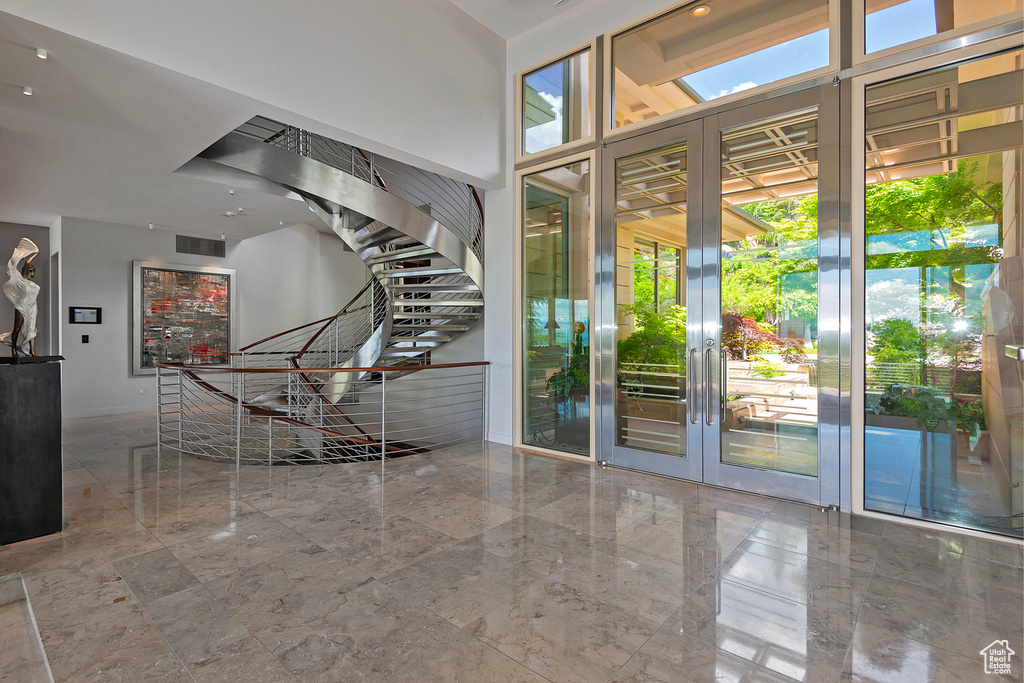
(478, 564)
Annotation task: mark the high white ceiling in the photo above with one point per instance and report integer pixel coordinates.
(509, 18)
(102, 133)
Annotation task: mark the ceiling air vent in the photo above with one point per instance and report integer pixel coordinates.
(200, 246)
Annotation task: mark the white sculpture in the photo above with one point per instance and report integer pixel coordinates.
(23, 293)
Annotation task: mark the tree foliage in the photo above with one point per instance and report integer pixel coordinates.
(754, 270)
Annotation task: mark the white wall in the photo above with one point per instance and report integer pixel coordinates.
(280, 278)
(576, 26)
(419, 81)
(342, 274)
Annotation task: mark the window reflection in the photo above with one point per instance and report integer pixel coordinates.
(556, 301)
(650, 300)
(943, 295)
(556, 104)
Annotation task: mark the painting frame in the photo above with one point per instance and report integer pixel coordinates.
(142, 292)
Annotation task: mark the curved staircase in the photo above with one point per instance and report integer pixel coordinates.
(421, 237)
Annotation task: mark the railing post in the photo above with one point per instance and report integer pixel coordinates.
(181, 415)
(288, 398)
(270, 441)
(238, 421)
(159, 413)
(319, 423)
(486, 401)
(383, 429)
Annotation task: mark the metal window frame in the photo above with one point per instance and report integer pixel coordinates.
(591, 49)
(518, 308)
(937, 59)
(610, 132)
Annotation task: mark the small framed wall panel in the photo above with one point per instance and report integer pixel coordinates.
(85, 315)
(182, 314)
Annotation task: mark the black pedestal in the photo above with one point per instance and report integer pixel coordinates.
(30, 448)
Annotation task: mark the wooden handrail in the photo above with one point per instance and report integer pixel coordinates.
(318, 371)
(328, 319)
(479, 206)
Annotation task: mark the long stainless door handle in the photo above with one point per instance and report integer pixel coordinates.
(707, 387)
(722, 368)
(691, 389)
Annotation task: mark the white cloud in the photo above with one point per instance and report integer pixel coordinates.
(739, 88)
(546, 135)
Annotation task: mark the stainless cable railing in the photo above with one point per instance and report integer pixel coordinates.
(211, 412)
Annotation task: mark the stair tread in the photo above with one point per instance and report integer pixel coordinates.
(433, 314)
(455, 328)
(420, 271)
(404, 303)
(401, 254)
(436, 287)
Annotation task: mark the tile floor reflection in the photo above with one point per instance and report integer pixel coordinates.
(475, 563)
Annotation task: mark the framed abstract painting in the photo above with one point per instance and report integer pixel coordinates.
(181, 314)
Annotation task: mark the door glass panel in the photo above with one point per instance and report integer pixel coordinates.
(650, 229)
(944, 422)
(769, 286)
(556, 306)
(720, 47)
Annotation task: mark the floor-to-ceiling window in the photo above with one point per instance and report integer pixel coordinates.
(943, 295)
(556, 300)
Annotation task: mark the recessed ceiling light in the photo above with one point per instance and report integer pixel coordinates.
(151, 226)
(230, 214)
(240, 209)
(231, 192)
(41, 53)
(223, 236)
(700, 10)
(280, 223)
(25, 90)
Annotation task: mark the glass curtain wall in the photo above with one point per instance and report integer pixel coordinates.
(556, 283)
(944, 253)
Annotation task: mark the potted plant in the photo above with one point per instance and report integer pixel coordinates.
(570, 387)
(972, 428)
(928, 411)
(651, 366)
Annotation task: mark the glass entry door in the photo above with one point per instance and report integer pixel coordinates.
(719, 248)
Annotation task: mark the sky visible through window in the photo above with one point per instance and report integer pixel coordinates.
(764, 66)
(899, 24)
(548, 84)
(894, 25)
